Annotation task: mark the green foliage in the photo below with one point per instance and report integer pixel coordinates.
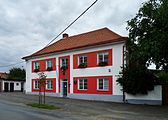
(148, 34)
(42, 76)
(162, 77)
(136, 80)
(148, 40)
(44, 106)
(63, 68)
(17, 74)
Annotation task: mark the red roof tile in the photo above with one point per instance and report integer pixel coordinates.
(100, 36)
(3, 75)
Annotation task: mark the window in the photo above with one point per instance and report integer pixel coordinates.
(36, 84)
(82, 61)
(64, 62)
(102, 84)
(82, 84)
(17, 84)
(36, 65)
(103, 58)
(48, 64)
(49, 84)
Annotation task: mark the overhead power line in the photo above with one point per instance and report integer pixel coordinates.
(12, 64)
(71, 23)
(58, 34)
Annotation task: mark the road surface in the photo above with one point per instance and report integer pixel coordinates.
(12, 111)
(13, 107)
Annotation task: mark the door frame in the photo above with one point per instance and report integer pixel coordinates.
(62, 90)
(6, 86)
(12, 87)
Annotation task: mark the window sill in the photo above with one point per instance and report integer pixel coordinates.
(49, 89)
(36, 89)
(82, 89)
(101, 90)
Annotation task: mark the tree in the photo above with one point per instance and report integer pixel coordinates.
(136, 80)
(147, 44)
(17, 74)
(148, 34)
(42, 84)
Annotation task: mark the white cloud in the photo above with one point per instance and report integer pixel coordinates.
(28, 25)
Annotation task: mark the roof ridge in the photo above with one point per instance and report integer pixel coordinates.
(96, 30)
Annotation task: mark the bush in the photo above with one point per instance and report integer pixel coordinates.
(162, 77)
(136, 81)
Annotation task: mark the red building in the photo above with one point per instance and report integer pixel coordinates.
(84, 66)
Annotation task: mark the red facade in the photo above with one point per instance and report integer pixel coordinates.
(43, 64)
(64, 75)
(92, 58)
(92, 85)
(42, 89)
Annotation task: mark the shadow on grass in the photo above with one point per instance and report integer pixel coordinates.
(44, 106)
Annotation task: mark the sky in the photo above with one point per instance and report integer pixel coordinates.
(26, 26)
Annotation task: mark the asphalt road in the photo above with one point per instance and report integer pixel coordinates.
(12, 111)
(13, 107)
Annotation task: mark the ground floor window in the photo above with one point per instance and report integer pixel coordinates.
(102, 84)
(49, 84)
(36, 84)
(82, 84)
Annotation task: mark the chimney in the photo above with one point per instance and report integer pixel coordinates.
(65, 35)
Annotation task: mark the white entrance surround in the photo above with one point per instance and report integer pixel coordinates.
(62, 88)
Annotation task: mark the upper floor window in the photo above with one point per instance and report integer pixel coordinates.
(36, 66)
(102, 84)
(102, 58)
(49, 84)
(82, 61)
(49, 65)
(82, 84)
(36, 84)
(64, 63)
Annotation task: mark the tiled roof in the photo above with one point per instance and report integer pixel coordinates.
(3, 75)
(97, 37)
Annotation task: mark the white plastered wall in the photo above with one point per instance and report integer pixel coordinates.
(155, 94)
(97, 71)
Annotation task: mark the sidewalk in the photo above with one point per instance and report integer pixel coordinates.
(92, 110)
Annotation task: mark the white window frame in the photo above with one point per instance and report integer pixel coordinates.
(105, 85)
(103, 54)
(49, 86)
(48, 64)
(36, 65)
(83, 59)
(83, 85)
(66, 62)
(36, 84)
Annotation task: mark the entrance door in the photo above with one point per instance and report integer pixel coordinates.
(22, 87)
(64, 88)
(11, 87)
(6, 87)
(165, 94)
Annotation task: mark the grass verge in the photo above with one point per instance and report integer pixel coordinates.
(44, 106)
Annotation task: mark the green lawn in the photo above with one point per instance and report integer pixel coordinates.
(44, 106)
